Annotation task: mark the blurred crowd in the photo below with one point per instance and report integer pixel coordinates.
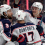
(23, 3)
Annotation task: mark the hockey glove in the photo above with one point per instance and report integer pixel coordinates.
(39, 28)
(17, 3)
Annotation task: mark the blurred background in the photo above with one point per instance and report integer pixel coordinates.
(23, 3)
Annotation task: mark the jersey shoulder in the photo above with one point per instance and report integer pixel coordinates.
(6, 25)
(14, 26)
(20, 25)
(29, 11)
(6, 21)
(30, 23)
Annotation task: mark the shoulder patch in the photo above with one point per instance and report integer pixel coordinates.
(7, 25)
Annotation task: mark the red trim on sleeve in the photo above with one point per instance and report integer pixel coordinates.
(42, 33)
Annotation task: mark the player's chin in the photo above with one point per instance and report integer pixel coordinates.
(34, 14)
(10, 17)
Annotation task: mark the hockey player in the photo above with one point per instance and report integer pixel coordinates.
(36, 10)
(15, 8)
(26, 29)
(9, 16)
(5, 35)
(29, 17)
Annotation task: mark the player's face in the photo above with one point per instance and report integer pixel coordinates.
(35, 11)
(9, 12)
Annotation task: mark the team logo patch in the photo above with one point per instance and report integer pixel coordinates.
(18, 15)
(7, 25)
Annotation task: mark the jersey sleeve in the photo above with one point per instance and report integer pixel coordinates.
(42, 32)
(37, 38)
(40, 28)
(14, 11)
(16, 6)
(15, 32)
(6, 27)
(20, 38)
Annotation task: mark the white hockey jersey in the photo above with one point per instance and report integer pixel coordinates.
(29, 18)
(29, 31)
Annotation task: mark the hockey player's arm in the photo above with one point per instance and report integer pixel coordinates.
(16, 6)
(6, 30)
(1, 28)
(40, 30)
(17, 37)
(17, 3)
(37, 38)
(13, 38)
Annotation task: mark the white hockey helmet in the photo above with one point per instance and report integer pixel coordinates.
(20, 15)
(4, 8)
(38, 5)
